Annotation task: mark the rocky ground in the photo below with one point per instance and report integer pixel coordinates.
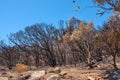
(63, 73)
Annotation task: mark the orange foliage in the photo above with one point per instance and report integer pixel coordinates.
(21, 67)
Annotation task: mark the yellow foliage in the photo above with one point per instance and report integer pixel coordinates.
(82, 24)
(66, 37)
(84, 29)
(76, 35)
(21, 67)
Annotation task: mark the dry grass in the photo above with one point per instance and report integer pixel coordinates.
(21, 67)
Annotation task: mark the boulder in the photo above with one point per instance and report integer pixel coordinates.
(36, 75)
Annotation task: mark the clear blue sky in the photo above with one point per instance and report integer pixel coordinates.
(15, 15)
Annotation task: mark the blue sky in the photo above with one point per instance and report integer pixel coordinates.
(15, 15)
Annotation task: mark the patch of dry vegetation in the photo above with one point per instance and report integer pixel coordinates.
(21, 67)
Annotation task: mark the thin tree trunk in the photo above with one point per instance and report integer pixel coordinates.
(114, 61)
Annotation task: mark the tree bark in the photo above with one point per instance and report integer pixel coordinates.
(114, 61)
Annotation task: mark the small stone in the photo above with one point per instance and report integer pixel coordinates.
(54, 77)
(57, 70)
(50, 70)
(90, 78)
(62, 74)
(25, 77)
(4, 73)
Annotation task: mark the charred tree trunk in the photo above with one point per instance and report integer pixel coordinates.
(114, 61)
